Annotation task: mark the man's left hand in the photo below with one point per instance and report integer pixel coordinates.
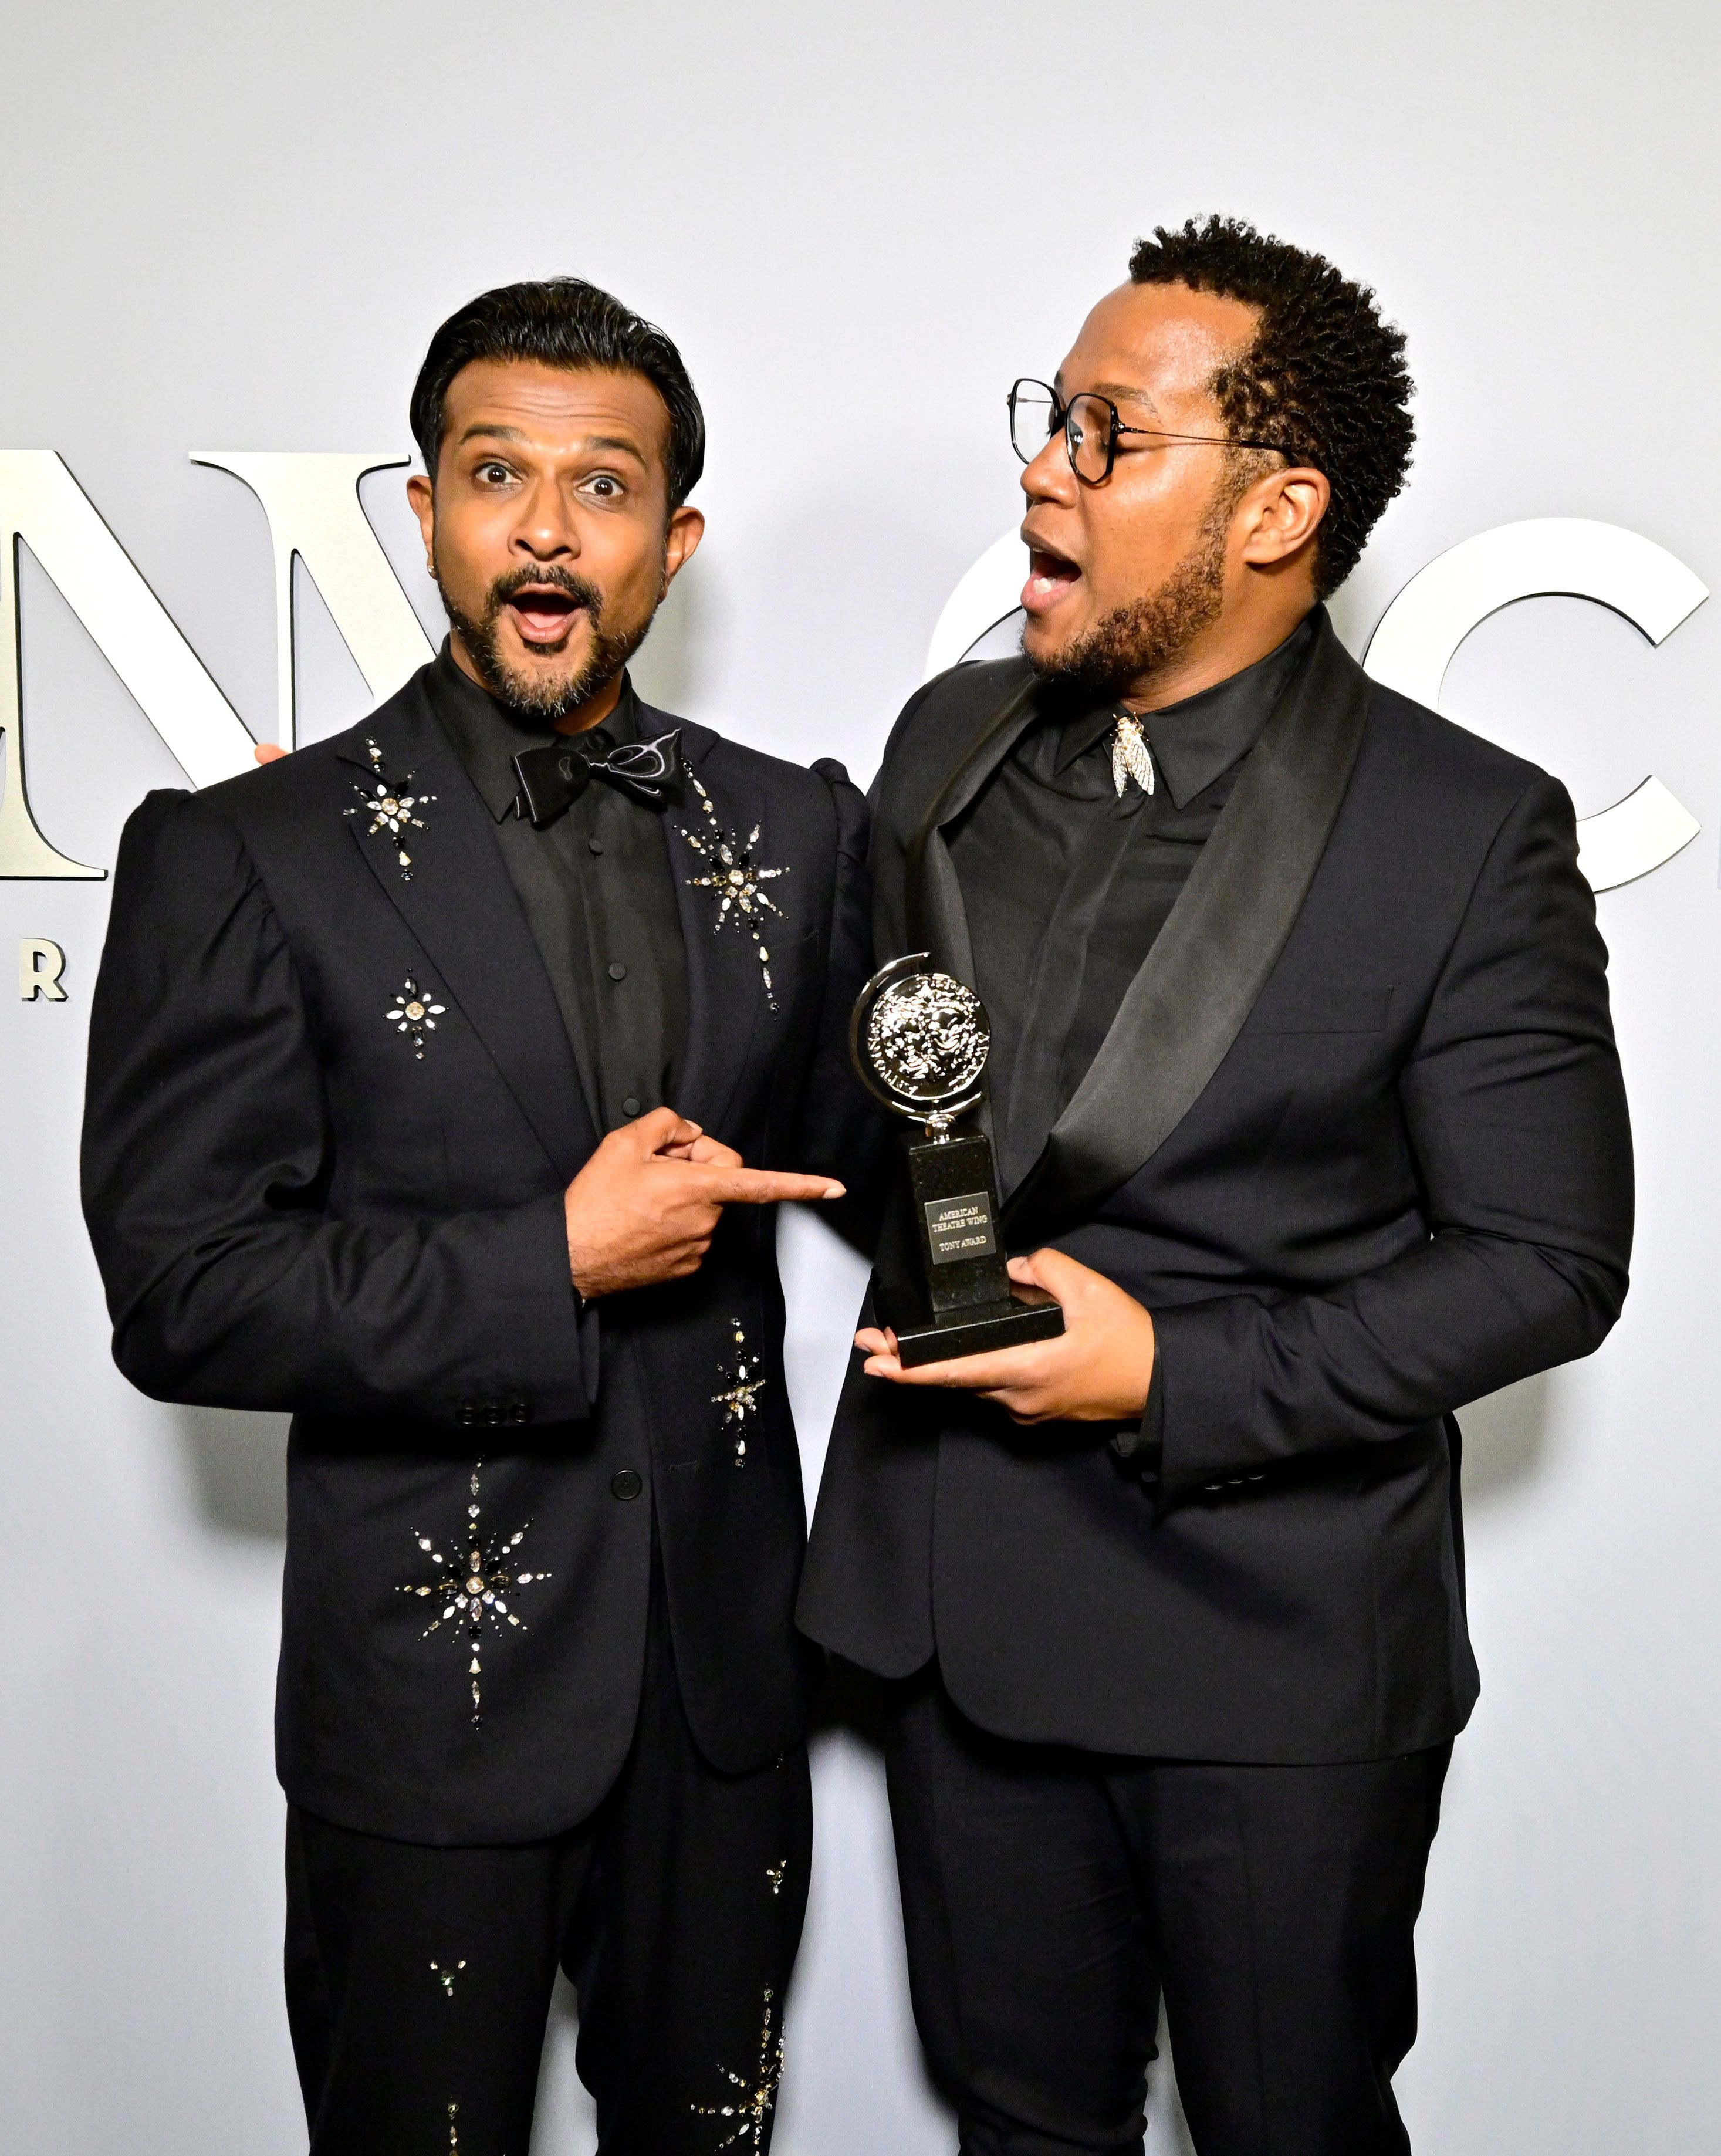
(1098, 1371)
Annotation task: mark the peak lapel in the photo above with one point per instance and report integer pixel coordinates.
(462, 906)
(726, 996)
(1211, 960)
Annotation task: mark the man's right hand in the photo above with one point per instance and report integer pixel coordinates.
(646, 1204)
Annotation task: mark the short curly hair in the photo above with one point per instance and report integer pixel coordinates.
(1324, 380)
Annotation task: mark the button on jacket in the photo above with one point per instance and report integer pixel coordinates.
(333, 1107)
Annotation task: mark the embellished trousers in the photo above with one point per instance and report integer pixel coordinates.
(1050, 1897)
(418, 1979)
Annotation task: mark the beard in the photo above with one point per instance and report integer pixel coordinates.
(543, 699)
(1132, 644)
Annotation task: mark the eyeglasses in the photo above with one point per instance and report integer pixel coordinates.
(1091, 429)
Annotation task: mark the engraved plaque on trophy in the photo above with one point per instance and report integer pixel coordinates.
(919, 1040)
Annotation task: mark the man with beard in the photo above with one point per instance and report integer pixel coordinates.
(422, 1069)
(1307, 1110)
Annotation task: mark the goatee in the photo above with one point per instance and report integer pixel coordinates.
(542, 700)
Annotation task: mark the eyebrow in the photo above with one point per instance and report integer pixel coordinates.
(481, 432)
(1119, 393)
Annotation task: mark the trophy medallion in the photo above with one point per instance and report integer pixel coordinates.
(919, 1040)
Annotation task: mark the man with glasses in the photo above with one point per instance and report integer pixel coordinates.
(1307, 1110)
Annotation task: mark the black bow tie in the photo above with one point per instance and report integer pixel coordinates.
(553, 778)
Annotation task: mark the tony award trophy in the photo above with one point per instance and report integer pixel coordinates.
(919, 1040)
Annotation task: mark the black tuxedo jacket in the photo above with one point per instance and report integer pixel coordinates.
(292, 1211)
(1357, 1138)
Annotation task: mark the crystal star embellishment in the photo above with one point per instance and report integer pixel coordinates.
(390, 808)
(412, 1013)
(734, 880)
(749, 2111)
(740, 1397)
(473, 1587)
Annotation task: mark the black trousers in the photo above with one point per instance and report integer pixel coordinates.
(418, 1979)
(1050, 1896)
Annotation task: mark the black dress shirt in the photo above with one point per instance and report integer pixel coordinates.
(1066, 884)
(598, 895)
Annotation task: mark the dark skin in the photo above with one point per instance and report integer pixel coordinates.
(1155, 351)
(540, 467)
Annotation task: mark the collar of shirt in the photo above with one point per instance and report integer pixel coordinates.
(487, 735)
(1196, 741)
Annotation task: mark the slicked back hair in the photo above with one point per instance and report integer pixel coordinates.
(1325, 379)
(561, 321)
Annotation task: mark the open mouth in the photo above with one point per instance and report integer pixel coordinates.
(542, 613)
(1049, 576)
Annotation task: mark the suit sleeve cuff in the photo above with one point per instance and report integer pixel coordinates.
(1142, 1444)
(539, 1334)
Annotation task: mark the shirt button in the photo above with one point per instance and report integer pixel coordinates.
(617, 971)
(630, 1107)
(624, 1485)
(595, 845)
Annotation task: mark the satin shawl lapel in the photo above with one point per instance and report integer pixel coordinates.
(1211, 960)
(932, 901)
(462, 906)
(726, 997)
(937, 919)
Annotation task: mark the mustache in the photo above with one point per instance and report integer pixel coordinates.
(581, 590)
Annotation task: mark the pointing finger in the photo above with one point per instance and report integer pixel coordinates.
(765, 1186)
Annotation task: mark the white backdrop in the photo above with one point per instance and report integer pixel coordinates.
(238, 227)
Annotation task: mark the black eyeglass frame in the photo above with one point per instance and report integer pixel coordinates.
(1061, 420)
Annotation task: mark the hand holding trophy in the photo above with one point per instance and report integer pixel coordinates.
(919, 1040)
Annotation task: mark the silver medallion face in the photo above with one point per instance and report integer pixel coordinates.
(920, 1039)
(928, 1037)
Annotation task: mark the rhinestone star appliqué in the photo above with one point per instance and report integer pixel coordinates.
(412, 1012)
(740, 1397)
(750, 2110)
(390, 808)
(473, 1587)
(735, 880)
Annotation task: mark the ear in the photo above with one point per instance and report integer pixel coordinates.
(1281, 513)
(419, 493)
(681, 541)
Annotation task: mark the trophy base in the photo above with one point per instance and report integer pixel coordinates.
(1027, 1313)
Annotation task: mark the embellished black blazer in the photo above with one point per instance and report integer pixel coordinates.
(1357, 1138)
(332, 1109)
